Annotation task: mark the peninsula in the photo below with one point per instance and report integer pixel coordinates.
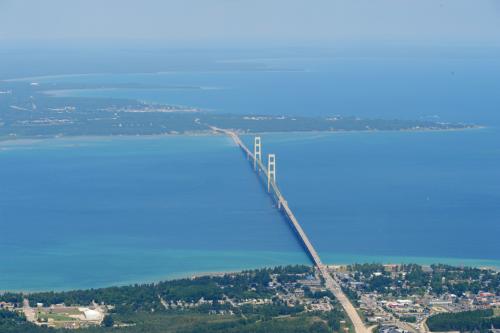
(29, 110)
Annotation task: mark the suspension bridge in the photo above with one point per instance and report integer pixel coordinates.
(269, 173)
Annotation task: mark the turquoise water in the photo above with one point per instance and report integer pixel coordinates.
(88, 212)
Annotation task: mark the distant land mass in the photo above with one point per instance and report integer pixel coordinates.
(34, 110)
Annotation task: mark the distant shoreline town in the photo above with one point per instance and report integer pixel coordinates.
(29, 112)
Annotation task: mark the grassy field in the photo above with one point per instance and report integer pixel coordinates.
(55, 316)
(201, 323)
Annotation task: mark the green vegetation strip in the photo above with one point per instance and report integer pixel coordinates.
(480, 320)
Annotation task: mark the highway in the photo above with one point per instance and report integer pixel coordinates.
(330, 283)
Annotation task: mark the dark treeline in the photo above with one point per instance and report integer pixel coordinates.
(247, 284)
(141, 306)
(480, 320)
(11, 322)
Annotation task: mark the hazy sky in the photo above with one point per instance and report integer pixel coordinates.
(255, 21)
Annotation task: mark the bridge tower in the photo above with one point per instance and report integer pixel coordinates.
(271, 170)
(257, 151)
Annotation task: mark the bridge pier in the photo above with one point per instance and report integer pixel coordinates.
(257, 152)
(330, 283)
(280, 204)
(271, 171)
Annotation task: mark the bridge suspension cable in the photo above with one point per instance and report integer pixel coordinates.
(330, 283)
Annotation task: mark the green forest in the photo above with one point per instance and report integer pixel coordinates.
(137, 308)
(480, 320)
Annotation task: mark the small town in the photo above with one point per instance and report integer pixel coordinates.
(283, 292)
(404, 296)
(390, 298)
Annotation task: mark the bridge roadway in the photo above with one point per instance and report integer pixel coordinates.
(330, 283)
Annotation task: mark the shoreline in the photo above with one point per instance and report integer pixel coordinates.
(479, 263)
(190, 275)
(210, 133)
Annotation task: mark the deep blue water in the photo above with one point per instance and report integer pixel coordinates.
(395, 194)
(85, 212)
(89, 212)
(461, 90)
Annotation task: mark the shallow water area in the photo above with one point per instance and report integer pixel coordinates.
(80, 213)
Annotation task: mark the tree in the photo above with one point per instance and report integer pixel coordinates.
(108, 321)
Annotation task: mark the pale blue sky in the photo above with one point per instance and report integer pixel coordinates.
(255, 21)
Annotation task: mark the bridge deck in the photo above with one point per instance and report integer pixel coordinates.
(330, 282)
